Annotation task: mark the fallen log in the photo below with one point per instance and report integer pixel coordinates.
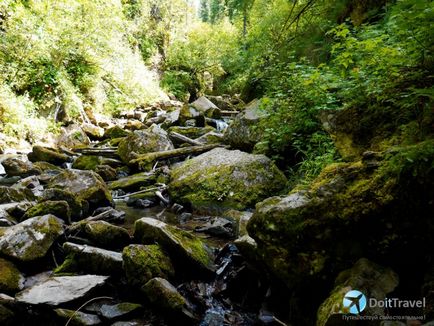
(109, 152)
(226, 113)
(178, 137)
(107, 215)
(146, 161)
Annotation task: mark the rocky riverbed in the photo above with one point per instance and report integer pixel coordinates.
(150, 219)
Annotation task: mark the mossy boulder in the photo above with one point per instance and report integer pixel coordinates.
(78, 206)
(192, 132)
(225, 179)
(11, 279)
(142, 263)
(46, 167)
(86, 162)
(16, 167)
(151, 140)
(106, 172)
(185, 249)
(381, 212)
(164, 295)
(92, 131)
(73, 136)
(89, 259)
(10, 195)
(86, 185)
(134, 182)
(107, 235)
(116, 132)
(373, 280)
(31, 239)
(58, 208)
(47, 154)
(243, 133)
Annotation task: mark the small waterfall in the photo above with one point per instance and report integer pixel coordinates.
(221, 125)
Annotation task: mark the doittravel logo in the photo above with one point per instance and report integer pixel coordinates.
(355, 302)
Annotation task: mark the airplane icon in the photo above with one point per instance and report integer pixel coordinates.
(354, 301)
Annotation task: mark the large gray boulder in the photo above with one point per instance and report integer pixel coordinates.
(59, 290)
(244, 132)
(31, 239)
(86, 185)
(184, 248)
(225, 179)
(150, 140)
(206, 107)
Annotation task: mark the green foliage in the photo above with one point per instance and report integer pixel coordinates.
(73, 54)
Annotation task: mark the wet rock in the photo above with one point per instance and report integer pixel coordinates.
(15, 210)
(10, 195)
(31, 239)
(219, 227)
(116, 132)
(73, 137)
(153, 139)
(58, 208)
(241, 217)
(191, 117)
(312, 234)
(134, 182)
(47, 154)
(78, 318)
(92, 131)
(92, 260)
(106, 172)
(31, 187)
(16, 167)
(11, 279)
(78, 206)
(183, 247)
(206, 107)
(107, 235)
(120, 310)
(373, 280)
(132, 124)
(61, 289)
(225, 179)
(164, 295)
(87, 162)
(47, 168)
(111, 215)
(191, 132)
(247, 247)
(243, 133)
(211, 138)
(86, 185)
(142, 263)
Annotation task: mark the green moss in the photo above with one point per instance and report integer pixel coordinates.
(225, 186)
(47, 154)
(196, 248)
(133, 182)
(68, 267)
(142, 263)
(11, 279)
(87, 162)
(59, 209)
(162, 294)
